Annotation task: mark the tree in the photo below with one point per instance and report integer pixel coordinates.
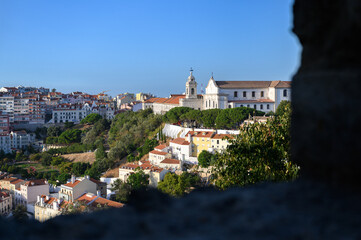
(20, 213)
(138, 180)
(70, 136)
(54, 131)
(282, 107)
(122, 191)
(173, 115)
(53, 90)
(91, 118)
(177, 185)
(204, 158)
(261, 152)
(209, 117)
(100, 152)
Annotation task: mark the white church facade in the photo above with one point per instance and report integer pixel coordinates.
(264, 96)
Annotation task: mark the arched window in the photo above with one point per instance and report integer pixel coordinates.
(253, 94)
(285, 93)
(255, 106)
(235, 94)
(192, 91)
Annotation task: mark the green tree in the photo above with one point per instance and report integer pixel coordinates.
(138, 180)
(63, 178)
(100, 152)
(173, 115)
(20, 213)
(209, 117)
(122, 191)
(91, 118)
(261, 152)
(205, 158)
(283, 107)
(70, 136)
(177, 185)
(54, 131)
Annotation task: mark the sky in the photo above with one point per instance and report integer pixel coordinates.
(144, 46)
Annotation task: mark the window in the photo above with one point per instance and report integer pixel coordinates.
(206, 103)
(192, 91)
(255, 106)
(244, 94)
(235, 94)
(262, 94)
(267, 106)
(253, 94)
(247, 105)
(285, 93)
(229, 106)
(261, 106)
(217, 141)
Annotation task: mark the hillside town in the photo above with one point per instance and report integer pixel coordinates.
(177, 149)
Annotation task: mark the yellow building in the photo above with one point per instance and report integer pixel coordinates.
(221, 141)
(47, 207)
(200, 140)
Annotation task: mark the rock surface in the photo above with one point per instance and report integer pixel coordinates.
(299, 210)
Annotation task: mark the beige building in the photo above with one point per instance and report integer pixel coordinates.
(171, 164)
(47, 207)
(6, 202)
(156, 174)
(5, 183)
(75, 188)
(220, 142)
(156, 156)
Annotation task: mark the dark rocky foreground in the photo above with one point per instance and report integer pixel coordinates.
(298, 210)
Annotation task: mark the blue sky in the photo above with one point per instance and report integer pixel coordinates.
(142, 45)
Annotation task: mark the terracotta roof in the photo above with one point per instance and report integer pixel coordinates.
(221, 136)
(253, 84)
(253, 101)
(9, 179)
(17, 181)
(157, 100)
(160, 147)
(97, 182)
(170, 161)
(106, 202)
(70, 184)
(200, 134)
(180, 141)
(86, 197)
(35, 182)
(158, 153)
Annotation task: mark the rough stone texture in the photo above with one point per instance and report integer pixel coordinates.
(325, 142)
(326, 121)
(299, 210)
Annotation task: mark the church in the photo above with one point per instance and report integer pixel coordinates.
(261, 95)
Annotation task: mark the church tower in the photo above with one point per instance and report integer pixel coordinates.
(191, 86)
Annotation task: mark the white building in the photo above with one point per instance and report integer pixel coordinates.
(29, 191)
(181, 149)
(75, 188)
(264, 96)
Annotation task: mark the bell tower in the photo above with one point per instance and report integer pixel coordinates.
(191, 86)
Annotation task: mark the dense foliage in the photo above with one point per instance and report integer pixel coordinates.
(205, 158)
(230, 118)
(136, 181)
(178, 185)
(130, 130)
(261, 152)
(91, 118)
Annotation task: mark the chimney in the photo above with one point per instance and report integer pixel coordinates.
(72, 179)
(38, 198)
(47, 198)
(41, 201)
(189, 137)
(55, 205)
(98, 193)
(87, 177)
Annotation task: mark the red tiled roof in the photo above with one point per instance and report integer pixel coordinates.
(70, 184)
(106, 202)
(158, 153)
(160, 147)
(17, 181)
(170, 161)
(180, 141)
(35, 182)
(221, 136)
(200, 134)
